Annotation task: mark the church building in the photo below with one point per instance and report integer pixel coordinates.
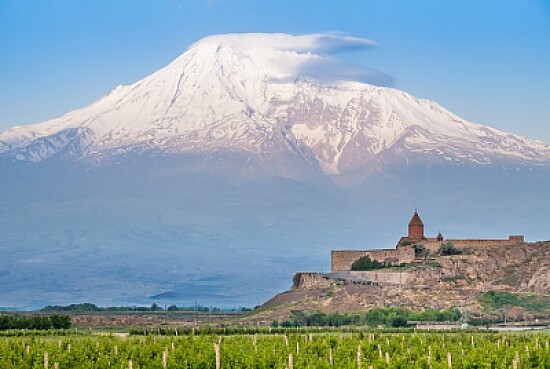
(404, 252)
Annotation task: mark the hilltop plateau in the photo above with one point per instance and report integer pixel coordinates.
(487, 282)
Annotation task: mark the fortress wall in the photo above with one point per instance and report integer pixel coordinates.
(384, 255)
(406, 254)
(481, 243)
(310, 281)
(434, 246)
(383, 276)
(341, 260)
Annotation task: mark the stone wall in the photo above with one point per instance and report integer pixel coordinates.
(434, 246)
(310, 281)
(383, 276)
(341, 260)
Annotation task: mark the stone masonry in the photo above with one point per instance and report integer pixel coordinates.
(341, 260)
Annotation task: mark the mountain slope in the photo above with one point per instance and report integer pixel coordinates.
(234, 92)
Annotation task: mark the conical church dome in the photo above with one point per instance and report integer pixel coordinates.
(415, 220)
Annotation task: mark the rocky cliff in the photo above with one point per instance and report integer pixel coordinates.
(521, 273)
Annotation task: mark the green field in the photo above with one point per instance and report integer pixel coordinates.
(292, 350)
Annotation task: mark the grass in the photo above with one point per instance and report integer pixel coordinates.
(433, 263)
(494, 300)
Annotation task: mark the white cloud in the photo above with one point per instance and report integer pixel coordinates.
(312, 55)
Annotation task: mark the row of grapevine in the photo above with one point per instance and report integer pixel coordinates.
(294, 351)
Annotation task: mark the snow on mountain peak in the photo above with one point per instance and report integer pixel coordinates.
(286, 57)
(268, 92)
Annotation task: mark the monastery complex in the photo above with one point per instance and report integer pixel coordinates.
(404, 252)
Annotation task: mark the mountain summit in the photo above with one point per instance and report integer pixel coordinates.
(268, 94)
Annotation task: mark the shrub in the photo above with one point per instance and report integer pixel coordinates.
(420, 250)
(366, 263)
(448, 248)
(498, 300)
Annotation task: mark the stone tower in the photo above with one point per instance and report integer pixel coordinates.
(416, 228)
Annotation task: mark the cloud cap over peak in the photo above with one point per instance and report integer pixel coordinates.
(327, 42)
(302, 56)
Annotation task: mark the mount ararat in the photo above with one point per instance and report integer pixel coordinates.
(246, 159)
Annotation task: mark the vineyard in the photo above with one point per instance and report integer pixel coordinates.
(291, 350)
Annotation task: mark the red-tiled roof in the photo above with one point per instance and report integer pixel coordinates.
(415, 220)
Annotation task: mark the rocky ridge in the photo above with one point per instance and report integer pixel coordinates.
(439, 283)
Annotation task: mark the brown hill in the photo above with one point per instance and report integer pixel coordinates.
(514, 280)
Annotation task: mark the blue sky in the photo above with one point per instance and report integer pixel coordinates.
(487, 61)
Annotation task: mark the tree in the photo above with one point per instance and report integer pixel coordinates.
(399, 321)
(60, 321)
(299, 317)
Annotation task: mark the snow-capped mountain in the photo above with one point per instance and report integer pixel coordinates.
(245, 160)
(263, 94)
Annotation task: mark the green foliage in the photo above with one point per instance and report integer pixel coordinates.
(448, 249)
(366, 263)
(406, 243)
(389, 317)
(420, 251)
(42, 322)
(60, 321)
(496, 300)
(386, 316)
(433, 264)
(399, 321)
(84, 307)
(405, 350)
